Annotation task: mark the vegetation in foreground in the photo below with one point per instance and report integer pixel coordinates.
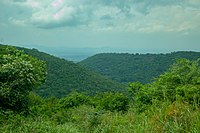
(169, 104)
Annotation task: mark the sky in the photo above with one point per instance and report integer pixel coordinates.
(142, 26)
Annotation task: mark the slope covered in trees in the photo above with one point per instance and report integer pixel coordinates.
(169, 104)
(134, 67)
(64, 77)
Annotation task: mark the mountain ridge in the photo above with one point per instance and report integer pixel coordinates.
(126, 67)
(65, 77)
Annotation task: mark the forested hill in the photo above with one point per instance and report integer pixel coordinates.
(64, 77)
(134, 67)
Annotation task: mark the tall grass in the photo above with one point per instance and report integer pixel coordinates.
(160, 117)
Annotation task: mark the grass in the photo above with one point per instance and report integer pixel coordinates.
(161, 117)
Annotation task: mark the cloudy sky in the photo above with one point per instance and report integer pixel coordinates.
(126, 25)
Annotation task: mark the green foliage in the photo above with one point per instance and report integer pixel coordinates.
(126, 68)
(189, 93)
(142, 95)
(94, 119)
(65, 77)
(74, 99)
(160, 117)
(135, 88)
(112, 101)
(181, 81)
(15, 123)
(19, 74)
(169, 104)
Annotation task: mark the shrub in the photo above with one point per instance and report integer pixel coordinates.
(112, 101)
(74, 99)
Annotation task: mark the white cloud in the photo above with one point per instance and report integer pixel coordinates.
(32, 4)
(98, 15)
(17, 22)
(57, 3)
(44, 13)
(107, 10)
(194, 1)
(54, 17)
(166, 19)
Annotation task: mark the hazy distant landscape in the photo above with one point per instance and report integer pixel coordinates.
(79, 54)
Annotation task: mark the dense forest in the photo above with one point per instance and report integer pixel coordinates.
(170, 103)
(126, 67)
(65, 76)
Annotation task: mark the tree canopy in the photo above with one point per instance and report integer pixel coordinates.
(126, 67)
(65, 77)
(19, 74)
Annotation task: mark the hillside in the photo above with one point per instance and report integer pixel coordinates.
(65, 76)
(134, 67)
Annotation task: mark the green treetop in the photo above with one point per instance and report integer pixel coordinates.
(19, 74)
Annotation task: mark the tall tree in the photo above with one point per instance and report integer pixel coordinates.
(19, 74)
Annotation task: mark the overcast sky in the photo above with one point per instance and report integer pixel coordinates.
(137, 25)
